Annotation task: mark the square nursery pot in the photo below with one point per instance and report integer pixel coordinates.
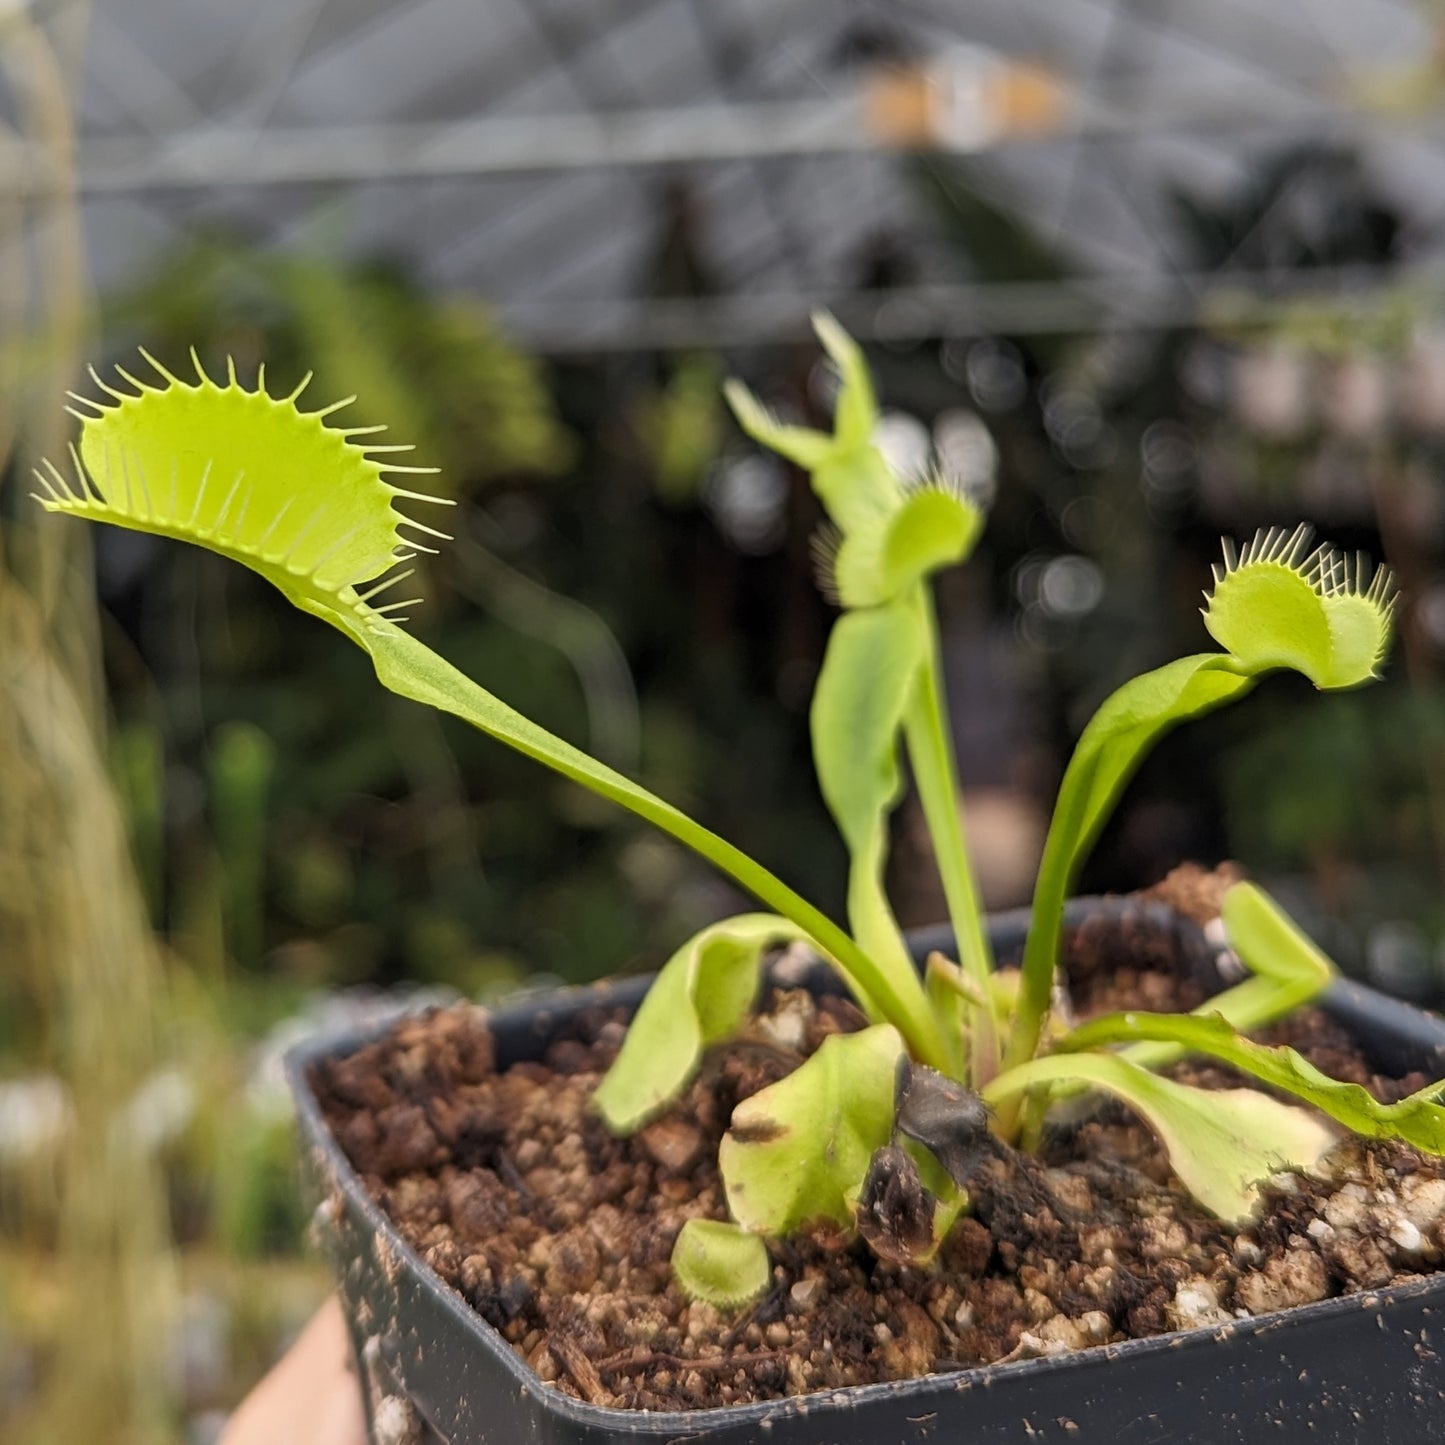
(1361, 1367)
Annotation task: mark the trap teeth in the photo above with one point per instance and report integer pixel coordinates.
(304, 502)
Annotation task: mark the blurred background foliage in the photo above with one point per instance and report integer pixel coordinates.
(217, 833)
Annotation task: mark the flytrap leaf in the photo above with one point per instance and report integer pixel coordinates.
(721, 1264)
(1286, 970)
(1278, 604)
(256, 479)
(799, 1150)
(702, 996)
(887, 533)
(1221, 1142)
(930, 528)
(1274, 605)
(1418, 1119)
(867, 678)
(880, 687)
(250, 476)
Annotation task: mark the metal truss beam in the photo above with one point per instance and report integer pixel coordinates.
(1133, 302)
(232, 156)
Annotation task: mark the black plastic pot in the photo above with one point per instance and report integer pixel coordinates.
(1364, 1367)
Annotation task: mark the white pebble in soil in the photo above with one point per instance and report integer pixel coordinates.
(1196, 1305)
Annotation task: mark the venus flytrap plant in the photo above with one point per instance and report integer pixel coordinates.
(896, 1110)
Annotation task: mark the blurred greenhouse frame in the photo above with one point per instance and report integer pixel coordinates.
(1108, 274)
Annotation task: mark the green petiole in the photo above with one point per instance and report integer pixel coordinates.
(928, 738)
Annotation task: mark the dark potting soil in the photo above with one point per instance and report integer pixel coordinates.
(560, 1235)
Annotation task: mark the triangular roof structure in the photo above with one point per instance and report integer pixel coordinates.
(565, 158)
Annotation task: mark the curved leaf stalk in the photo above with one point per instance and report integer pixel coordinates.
(1108, 753)
(928, 738)
(274, 488)
(1418, 1119)
(413, 670)
(1287, 971)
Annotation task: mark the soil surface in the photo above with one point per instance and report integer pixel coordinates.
(560, 1235)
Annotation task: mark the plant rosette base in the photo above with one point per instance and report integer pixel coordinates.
(505, 1260)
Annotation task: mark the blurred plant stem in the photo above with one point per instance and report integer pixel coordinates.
(242, 766)
(81, 924)
(581, 635)
(71, 912)
(46, 309)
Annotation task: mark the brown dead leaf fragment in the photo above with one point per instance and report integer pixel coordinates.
(895, 1212)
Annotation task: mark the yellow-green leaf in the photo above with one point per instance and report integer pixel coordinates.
(1286, 970)
(702, 996)
(1222, 1143)
(931, 528)
(799, 1149)
(858, 707)
(720, 1263)
(1276, 604)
